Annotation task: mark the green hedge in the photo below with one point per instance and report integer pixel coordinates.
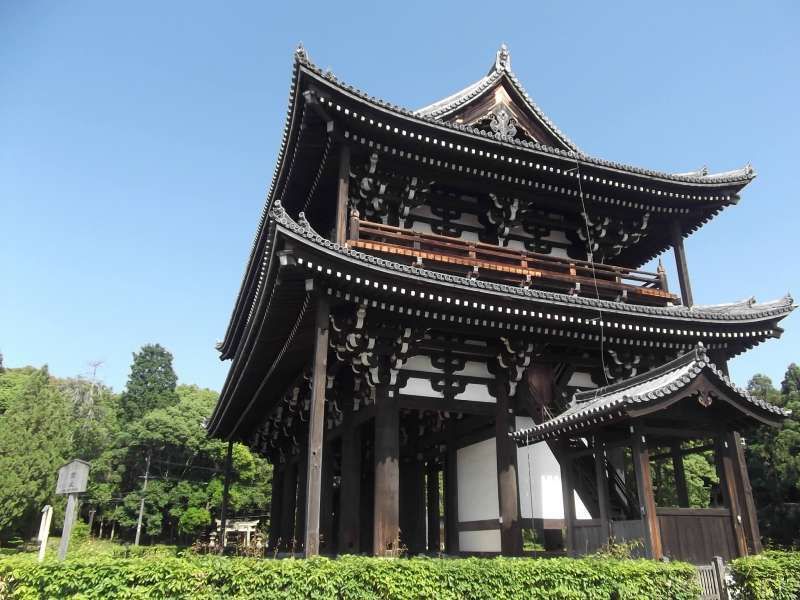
(768, 576)
(347, 578)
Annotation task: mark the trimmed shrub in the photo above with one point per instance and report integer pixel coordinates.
(350, 578)
(768, 576)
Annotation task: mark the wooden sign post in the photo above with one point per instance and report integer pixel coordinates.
(72, 480)
(44, 530)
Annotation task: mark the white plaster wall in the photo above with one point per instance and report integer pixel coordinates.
(539, 477)
(416, 386)
(479, 541)
(473, 368)
(476, 392)
(420, 362)
(477, 482)
(582, 380)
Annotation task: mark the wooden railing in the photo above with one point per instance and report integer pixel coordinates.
(518, 267)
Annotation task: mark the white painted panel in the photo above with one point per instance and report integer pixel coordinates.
(420, 362)
(476, 392)
(556, 235)
(416, 386)
(559, 252)
(474, 368)
(469, 236)
(421, 227)
(539, 478)
(423, 211)
(467, 219)
(479, 541)
(477, 482)
(516, 245)
(582, 380)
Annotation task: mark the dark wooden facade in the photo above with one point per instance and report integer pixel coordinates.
(424, 284)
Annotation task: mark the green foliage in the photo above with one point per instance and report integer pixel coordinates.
(193, 520)
(348, 578)
(701, 475)
(768, 576)
(151, 383)
(36, 434)
(773, 459)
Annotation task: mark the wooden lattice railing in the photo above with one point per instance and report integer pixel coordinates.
(530, 269)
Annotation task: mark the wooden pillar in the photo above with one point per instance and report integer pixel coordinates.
(326, 511)
(288, 505)
(726, 454)
(680, 476)
(432, 504)
(644, 487)
(342, 195)
(302, 495)
(412, 505)
(223, 519)
(316, 426)
(350, 490)
(451, 491)
(746, 503)
(386, 532)
(275, 507)
(680, 263)
(567, 498)
(601, 478)
(507, 484)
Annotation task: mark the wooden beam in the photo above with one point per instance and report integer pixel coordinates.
(342, 194)
(507, 484)
(451, 491)
(680, 476)
(316, 426)
(386, 531)
(747, 504)
(432, 507)
(726, 454)
(644, 486)
(350, 491)
(326, 510)
(680, 263)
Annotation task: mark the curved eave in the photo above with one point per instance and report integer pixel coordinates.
(332, 83)
(739, 314)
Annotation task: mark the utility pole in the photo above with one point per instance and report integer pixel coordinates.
(141, 504)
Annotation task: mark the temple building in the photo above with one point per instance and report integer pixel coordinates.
(444, 342)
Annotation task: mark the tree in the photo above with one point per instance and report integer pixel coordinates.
(36, 434)
(773, 459)
(151, 383)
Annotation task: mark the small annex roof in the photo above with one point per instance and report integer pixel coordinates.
(650, 388)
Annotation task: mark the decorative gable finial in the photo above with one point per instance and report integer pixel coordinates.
(300, 53)
(503, 60)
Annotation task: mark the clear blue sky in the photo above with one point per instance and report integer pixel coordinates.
(137, 142)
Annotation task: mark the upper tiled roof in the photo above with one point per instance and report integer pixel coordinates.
(742, 175)
(639, 391)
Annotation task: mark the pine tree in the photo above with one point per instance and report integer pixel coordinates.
(151, 383)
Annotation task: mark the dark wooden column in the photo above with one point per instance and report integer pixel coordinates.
(567, 498)
(288, 505)
(680, 263)
(432, 502)
(275, 507)
(316, 426)
(680, 476)
(644, 487)
(342, 194)
(302, 495)
(386, 532)
(451, 491)
(223, 519)
(326, 502)
(350, 491)
(726, 453)
(601, 478)
(507, 483)
(746, 502)
(412, 505)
